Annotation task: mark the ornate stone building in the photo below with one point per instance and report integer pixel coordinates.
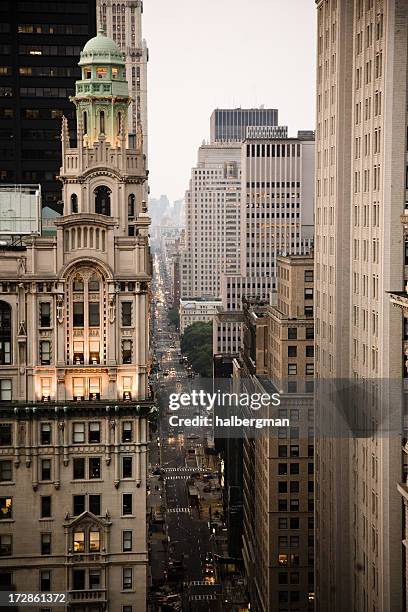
(74, 395)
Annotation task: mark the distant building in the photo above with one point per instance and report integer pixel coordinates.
(276, 218)
(196, 310)
(40, 44)
(230, 124)
(212, 215)
(122, 21)
(178, 212)
(74, 392)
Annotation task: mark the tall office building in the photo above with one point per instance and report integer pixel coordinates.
(212, 217)
(74, 395)
(276, 217)
(40, 44)
(360, 195)
(122, 21)
(278, 487)
(229, 124)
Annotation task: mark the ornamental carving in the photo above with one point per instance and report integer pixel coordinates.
(112, 309)
(60, 309)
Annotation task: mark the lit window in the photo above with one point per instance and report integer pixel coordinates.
(78, 389)
(101, 73)
(79, 541)
(94, 541)
(6, 508)
(45, 388)
(94, 388)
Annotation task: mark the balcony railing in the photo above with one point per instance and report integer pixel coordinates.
(88, 595)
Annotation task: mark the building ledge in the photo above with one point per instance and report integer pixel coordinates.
(399, 299)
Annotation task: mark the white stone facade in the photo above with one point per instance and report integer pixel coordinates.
(74, 394)
(212, 217)
(196, 311)
(360, 196)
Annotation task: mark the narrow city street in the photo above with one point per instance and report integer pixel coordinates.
(182, 556)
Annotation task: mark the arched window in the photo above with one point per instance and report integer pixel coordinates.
(93, 284)
(78, 284)
(5, 333)
(102, 122)
(131, 206)
(102, 200)
(119, 122)
(85, 121)
(74, 203)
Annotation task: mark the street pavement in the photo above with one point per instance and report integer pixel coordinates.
(186, 529)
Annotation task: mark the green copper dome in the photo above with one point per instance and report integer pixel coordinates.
(101, 49)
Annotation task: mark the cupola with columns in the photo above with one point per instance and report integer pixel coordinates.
(105, 173)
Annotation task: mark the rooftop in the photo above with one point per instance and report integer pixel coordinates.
(101, 49)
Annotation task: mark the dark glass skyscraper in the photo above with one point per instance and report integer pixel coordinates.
(229, 124)
(40, 43)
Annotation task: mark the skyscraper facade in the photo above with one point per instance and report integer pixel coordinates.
(278, 487)
(122, 21)
(74, 394)
(229, 124)
(360, 195)
(40, 44)
(276, 218)
(212, 217)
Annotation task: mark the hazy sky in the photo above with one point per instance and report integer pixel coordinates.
(206, 54)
